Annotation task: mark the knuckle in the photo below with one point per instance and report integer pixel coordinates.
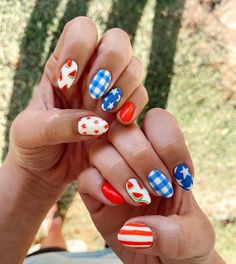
(112, 52)
(119, 31)
(115, 163)
(138, 152)
(50, 129)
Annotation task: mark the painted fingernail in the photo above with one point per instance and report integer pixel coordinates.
(67, 75)
(183, 176)
(111, 99)
(127, 111)
(99, 84)
(92, 125)
(135, 235)
(160, 184)
(111, 194)
(137, 192)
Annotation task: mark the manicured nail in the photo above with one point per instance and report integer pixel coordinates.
(127, 111)
(183, 176)
(111, 99)
(137, 192)
(160, 183)
(67, 75)
(99, 84)
(111, 194)
(92, 125)
(135, 235)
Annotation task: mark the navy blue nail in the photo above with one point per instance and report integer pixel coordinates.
(183, 176)
(160, 183)
(111, 99)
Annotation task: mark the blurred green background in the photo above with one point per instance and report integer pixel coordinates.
(187, 48)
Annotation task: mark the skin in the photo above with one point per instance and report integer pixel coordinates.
(46, 152)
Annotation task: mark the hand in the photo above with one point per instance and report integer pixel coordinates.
(49, 140)
(169, 229)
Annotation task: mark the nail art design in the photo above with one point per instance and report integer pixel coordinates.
(127, 111)
(183, 177)
(160, 183)
(111, 99)
(99, 84)
(67, 75)
(135, 235)
(137, 192)
(92, 125)
(111, 194)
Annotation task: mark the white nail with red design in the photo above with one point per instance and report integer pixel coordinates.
(67, 75)
(92, 125)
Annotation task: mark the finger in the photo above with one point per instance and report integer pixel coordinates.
(168, 237)
(127, 82)
(133, 107)
(113, 55)
(137, 151)
(91, 182)
(56, 126)
(116, 171)
(169, 145)
(74, 49)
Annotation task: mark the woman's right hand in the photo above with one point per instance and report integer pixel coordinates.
(138, 193)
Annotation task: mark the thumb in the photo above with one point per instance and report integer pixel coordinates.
(35, 128)
(172, 237)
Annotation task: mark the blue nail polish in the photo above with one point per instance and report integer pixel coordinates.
(160, 183)
(111, 99)
(183, 176)
(99, 84)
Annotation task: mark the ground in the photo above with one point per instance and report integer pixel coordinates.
(188, 50)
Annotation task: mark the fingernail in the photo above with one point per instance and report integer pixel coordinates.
(111, 194)
(183, 176)
(127, 111)
(99, 84)
(92, 125)
(137, 192)
(135, 235)
(160, 183)
(111, 99)
(67, 75)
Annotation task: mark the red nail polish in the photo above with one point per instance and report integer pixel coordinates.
(127, 111)
(111, 194)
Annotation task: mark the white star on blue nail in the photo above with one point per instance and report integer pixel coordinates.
(183, 177)
(111, 99)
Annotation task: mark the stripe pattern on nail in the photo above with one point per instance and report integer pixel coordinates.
(92, 125)
(137, 192)
(135, 235)
(111, 99)
(183, 176)
(67, 75)
(99, 84)
(160, 184)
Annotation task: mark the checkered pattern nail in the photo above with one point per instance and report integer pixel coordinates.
(183, 177)
(160, 184)
(99, 84)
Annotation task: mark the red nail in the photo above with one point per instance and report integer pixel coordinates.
(111, 194)
(127, 111)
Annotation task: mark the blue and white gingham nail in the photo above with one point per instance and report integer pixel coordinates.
(160, 184)
(183, 176)
(111, 99)
(99, 84)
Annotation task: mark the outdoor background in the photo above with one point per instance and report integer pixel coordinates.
(188, 49)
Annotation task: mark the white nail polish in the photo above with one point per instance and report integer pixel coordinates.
(137, 192)
(92, 125)
(67, 75)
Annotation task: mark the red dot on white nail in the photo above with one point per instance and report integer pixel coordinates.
(83, 126)
(106, 126)
(96, 122)
(96, 131)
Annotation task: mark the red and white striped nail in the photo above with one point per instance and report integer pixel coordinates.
(135, 235)
(92, 125)
(67, 75)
